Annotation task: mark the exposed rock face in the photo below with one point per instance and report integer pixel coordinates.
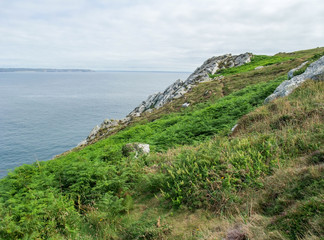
(106, 126)
(291, 72)
(315, 71)
(201, 74)
(93, 132)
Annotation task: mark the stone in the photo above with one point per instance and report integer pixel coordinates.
(233, 128)
(93, 132)
(185, 105)
(137, 148)
(259, 67)
(109, 123)
(291, 72)
(315, 71)
(180, 92)
(125, 120)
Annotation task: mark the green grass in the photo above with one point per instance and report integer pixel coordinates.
(270, 168)
(256, 61)
(310, 60)
(297, 204)
(99, 171)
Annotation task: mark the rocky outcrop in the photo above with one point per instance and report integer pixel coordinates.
(291, 72)
(174, 91)
(137, 148)
(107, 126)
(315, 71)
(201, 74)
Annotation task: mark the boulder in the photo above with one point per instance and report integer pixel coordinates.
(137, 148)
(259, 67)
(185, 105)
(315, 71)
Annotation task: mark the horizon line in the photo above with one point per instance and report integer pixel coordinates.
(22, 69)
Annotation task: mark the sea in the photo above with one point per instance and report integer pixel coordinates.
(43, 114)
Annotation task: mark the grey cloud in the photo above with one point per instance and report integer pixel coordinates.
(160, 34)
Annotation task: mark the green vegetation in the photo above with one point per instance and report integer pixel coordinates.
(310, 60)
(263, 181)
(256, 61)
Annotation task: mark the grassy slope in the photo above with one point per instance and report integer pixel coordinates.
(98, 193)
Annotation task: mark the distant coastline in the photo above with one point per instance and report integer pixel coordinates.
(146, 71)
(80, 70)
(43, 70)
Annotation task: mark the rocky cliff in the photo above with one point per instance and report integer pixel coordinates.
(174, 91)
(314, 71)
(201, 74)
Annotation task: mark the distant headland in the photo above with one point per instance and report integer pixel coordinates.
(43, 70)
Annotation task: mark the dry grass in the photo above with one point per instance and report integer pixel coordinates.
(294, 112)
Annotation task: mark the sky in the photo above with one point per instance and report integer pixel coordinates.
(152, 35)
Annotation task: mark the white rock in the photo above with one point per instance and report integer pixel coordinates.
(291, 72)
(233, 128)
(315, 71)
(84, 142)
(109, 123)
(259, 67)
(125, 120)
(93, 132)
(145, 148)
(185, 105)
(201, 74)
(138, 148)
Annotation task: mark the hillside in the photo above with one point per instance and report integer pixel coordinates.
(202, 179)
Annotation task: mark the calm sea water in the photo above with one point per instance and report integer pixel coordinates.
(45, 114)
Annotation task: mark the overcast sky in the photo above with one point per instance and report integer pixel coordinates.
(172, 35)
